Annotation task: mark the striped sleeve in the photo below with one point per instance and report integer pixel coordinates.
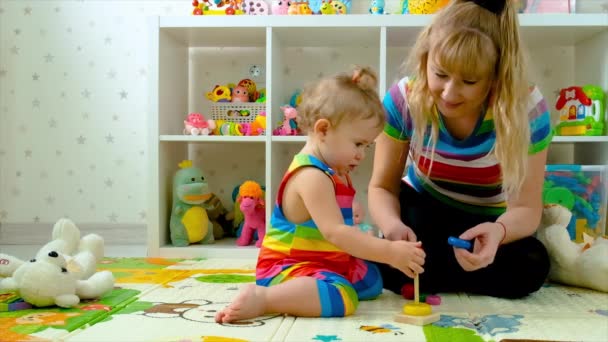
(398, 122)
(540, 122)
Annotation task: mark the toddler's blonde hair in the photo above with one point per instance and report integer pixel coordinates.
(468, 39)
(349, 96)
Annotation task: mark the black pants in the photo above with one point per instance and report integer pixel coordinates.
(519, 267)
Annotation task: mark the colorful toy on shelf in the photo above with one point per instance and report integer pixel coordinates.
(219, 217)
(251, 87)
(581, 111)
(251, 202)
(299, 8)
(341, 7)
(257, 127)
(280, 7)
(327, 8)
(376, 7)
(255, 7)
(582, 190)
(189, 222)
(219, 94)
(240, 94)
(403, 7)
(425, 6)
(295, 98)
(217, 7)
(196, 124)
(289, 125)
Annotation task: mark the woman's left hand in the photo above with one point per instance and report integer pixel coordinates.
(486, 238)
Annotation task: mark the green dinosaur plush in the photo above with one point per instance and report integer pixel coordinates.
(189, 221)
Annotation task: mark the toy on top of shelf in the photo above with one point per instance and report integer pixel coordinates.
(403, 7)
(299, 8)
(219, 93)
(327, 8)
(280, 7)
(189, 222)
(581, 111)
(251, 203)
(289, 125)
(376, 7)
(195, 124)
(255, 7)
(216, 7)
(341, 7)
(425, 6)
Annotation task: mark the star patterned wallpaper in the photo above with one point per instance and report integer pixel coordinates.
(74, 103)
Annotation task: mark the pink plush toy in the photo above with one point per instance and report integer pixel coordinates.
(289, 126)
(195, 124)
(251, 203)
(280, 6)
(240, 94)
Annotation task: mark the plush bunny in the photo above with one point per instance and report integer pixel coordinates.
(57, 276)
(577, 264)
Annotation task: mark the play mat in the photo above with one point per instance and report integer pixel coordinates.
(176, 300)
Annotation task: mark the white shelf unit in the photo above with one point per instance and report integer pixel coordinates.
(190, 54)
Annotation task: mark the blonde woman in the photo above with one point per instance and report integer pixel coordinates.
(311, 262)
(474, 136)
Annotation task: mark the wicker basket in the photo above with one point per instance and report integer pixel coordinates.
(239, 112)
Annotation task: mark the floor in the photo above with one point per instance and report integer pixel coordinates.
(176, 299)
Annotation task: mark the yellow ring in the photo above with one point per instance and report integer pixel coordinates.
(417, 309)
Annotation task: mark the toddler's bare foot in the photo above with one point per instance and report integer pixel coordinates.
(249, 303)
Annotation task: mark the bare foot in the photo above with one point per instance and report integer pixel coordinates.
(249, 303)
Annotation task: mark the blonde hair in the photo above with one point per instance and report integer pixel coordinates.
(464, 36)
(345, 95)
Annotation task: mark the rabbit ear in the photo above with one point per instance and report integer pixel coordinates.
(494, 6)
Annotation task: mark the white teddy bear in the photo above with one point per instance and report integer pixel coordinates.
(57, 276)
(572, 263)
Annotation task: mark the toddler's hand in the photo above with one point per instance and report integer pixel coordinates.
(408, 257)
(401, 232)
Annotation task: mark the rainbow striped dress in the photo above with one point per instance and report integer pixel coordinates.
(299, 249)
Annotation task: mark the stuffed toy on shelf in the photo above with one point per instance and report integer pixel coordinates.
(251, 203)
(189, 222)
(63, 271)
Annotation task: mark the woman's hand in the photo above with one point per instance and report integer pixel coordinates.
(406, 256)
(487, 237)
(400, 232)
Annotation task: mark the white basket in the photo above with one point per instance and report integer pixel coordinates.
(234, 111)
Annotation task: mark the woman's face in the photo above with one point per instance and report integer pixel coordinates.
(454, 94)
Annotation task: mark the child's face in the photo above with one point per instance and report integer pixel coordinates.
(456, 96)
(346, 145)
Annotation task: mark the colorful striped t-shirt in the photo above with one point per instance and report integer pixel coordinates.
(464, 174)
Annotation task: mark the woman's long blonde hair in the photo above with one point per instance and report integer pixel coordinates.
(466, 38)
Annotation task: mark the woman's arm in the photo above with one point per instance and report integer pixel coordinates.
(524, 211)
(390, 156)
